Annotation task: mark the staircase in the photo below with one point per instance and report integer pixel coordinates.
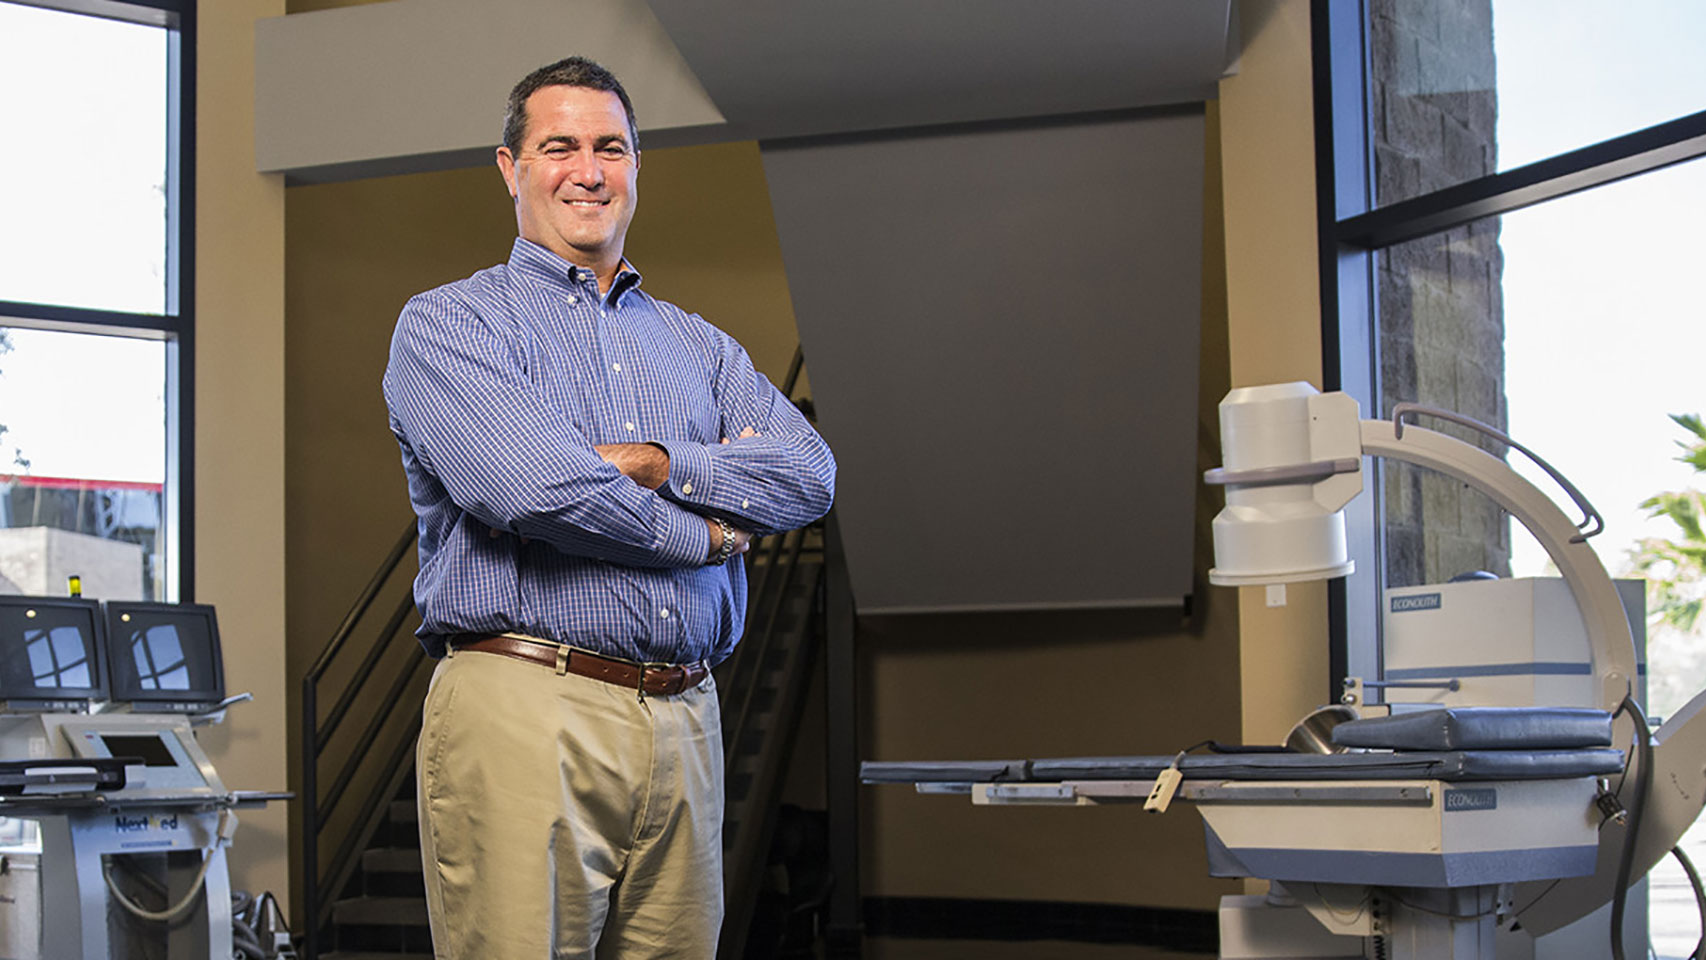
(363, 895)
(382, 915)
(763, 686)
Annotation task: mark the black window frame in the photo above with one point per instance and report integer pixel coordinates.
(176, 325)
(1351, 229)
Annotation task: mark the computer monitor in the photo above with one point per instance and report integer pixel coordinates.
(165, 656)
(52, 654)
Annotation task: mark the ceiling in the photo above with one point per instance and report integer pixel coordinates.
(412, 85)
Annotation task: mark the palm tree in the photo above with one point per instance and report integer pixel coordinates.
(1675, 568)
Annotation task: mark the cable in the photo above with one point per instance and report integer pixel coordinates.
(1626, 859)
(170, 913)
(226, 828)
(1344, 915)
(1443, 913)
(1699, 898)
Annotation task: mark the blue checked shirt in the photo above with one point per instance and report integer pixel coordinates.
(499, 386)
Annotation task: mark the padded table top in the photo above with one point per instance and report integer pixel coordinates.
(1450, 765)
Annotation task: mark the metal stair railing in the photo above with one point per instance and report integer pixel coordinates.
(321, 884)
(763, 690)
(763, 687)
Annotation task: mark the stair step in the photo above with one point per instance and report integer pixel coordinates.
(381, 911)
(391, 860)
(392, 872)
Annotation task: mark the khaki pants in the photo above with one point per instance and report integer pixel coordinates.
(565, 817)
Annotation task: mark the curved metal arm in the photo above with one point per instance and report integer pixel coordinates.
(1611, 646)
(1589, 514)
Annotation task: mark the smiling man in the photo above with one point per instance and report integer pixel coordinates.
(585, 460)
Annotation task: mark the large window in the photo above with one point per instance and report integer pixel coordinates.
(1509, 194)
(95, 326)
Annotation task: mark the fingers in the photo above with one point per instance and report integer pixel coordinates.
(494, 533)
(745, 434)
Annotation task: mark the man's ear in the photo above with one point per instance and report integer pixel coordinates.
(506, 166)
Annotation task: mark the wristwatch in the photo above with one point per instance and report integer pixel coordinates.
(727, 549)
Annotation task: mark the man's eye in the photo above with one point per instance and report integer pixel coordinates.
(614, 152)
(557, 152)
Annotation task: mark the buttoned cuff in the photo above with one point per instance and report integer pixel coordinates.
(689, 471)
(686, 539)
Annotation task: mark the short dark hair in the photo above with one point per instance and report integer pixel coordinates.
(568, 72)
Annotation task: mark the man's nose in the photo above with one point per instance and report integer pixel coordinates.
(585, 171)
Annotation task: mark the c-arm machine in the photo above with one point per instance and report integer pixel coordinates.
(1491, 816)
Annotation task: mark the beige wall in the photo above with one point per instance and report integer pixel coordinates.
(240, 429)
(1274, 321)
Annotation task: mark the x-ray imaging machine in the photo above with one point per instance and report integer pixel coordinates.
(1455, 826)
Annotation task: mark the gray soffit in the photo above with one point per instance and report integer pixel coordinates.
(413, 85)
(785, 68)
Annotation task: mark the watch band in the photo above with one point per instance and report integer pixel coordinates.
(727, 548)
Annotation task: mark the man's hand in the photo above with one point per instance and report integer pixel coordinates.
(748, 432)
(644, 463)
(743, 539)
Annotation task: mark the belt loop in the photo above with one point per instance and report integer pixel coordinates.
(642, 684)
(562, 660)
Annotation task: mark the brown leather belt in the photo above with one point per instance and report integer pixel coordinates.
(655, 679)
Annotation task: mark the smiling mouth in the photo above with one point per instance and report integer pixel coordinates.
(586, 203)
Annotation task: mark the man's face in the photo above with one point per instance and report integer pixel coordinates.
(575, 180)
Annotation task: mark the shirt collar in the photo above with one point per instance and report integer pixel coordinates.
(536, 261)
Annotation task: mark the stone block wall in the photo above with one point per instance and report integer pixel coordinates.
(1435, 109)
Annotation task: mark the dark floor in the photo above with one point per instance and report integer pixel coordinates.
(885, 949)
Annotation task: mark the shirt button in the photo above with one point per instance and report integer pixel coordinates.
(687, 488)
(745, 503)
(664, 613)
(616, 367)
(574, 300)
(628, 426)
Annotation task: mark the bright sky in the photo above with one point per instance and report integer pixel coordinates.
(82, 164)
(82, 160)
(77, 405)
(1604, 327)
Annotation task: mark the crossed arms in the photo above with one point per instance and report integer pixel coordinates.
(464, 407)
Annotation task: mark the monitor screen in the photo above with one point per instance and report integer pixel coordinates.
(150, 749)
(50, 652)
(165, 654)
